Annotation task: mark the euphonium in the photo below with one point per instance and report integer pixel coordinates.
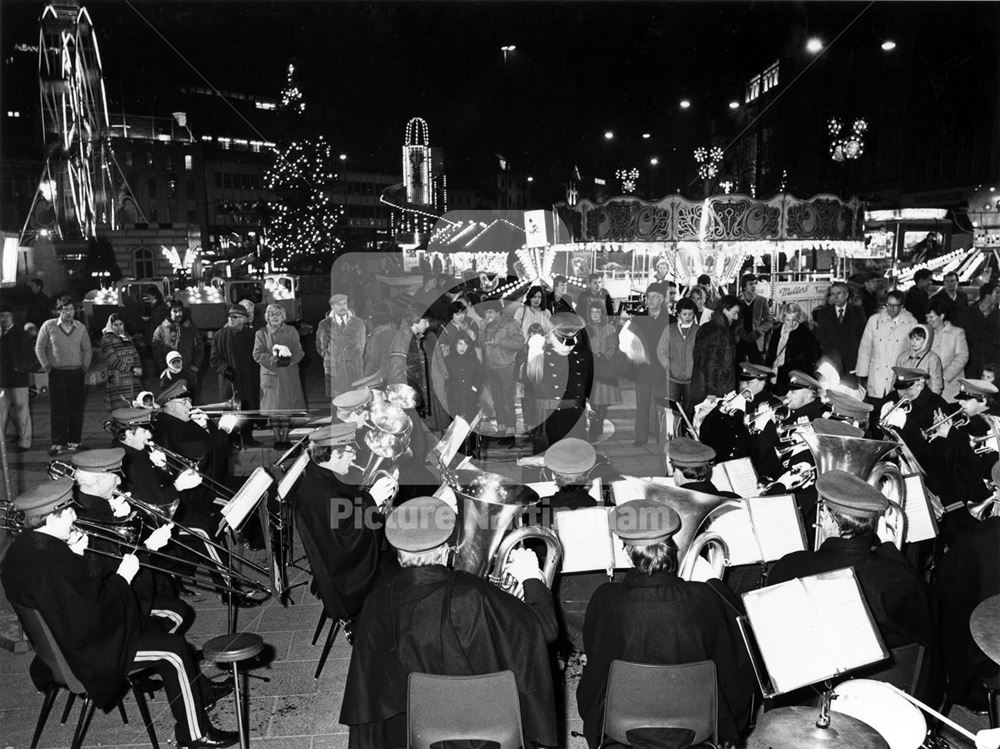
(488, 505)
(696, 510)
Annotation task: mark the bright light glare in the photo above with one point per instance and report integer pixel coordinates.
(734, 105)
(343, 157)
(531, 179)
(814, 45)
(608, 135)
(646, 136)
(654, 161)
(888, 45)
(685, 104)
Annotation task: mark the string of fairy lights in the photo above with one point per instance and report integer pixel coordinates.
(305, 217)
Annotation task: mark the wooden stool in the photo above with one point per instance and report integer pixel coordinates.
(235, 649)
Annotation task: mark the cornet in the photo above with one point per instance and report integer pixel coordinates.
(957, 419)
(903, 405)
(726, 404)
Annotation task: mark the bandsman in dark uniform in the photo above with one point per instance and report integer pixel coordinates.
(849, 409)
(655, 617)
(562, 371)
(352, 408)
(570, 462)
(97, 480)
(92, 611)
(147, 478)
(339, 523)
(911, 385)
(182, 429)
(432, 619)
(976, 398)
(897, 596)
(692, 463)
(953, 469)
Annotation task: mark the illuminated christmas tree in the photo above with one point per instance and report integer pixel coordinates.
(304, 219)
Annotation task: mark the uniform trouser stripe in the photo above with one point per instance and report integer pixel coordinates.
(173, 616)
(183, 688)
(212, 552)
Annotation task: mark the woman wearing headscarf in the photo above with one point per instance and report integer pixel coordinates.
(918, 355)
(791, 347)
(124, 364)
(278, 351)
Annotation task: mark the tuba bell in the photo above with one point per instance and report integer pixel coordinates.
(834, 447)
(695, 539)
(488, 505)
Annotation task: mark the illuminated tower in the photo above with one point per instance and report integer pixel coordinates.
(424, 181)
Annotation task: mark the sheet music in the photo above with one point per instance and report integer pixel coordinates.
(588, 543)
(812, 628)
(761, 529)
(920, 523)
(631, 488)
(850, 630)
(548, 488)
(236, 510)
(452, 439)
(736, 476)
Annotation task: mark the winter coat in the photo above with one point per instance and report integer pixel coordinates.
(802, 351)
(280, 387)
(122, 387)
(501, 341)
(926, 360)
(714, 370)
(951, 347)
(377, 349)
(884, 339)
(676, 352)
(185, 339)
(342, 348)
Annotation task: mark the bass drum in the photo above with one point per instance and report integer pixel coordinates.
(899, 722)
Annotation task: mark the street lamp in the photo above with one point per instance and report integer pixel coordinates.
(734, 105)
(608, 135)
(685, 103)
(654, 161)
(646, 136)
(888, 45)
(814, 45)
(507, 48)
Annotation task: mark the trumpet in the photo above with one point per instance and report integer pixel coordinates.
(957, 419)
(725, 404)
(903, 405)
(777, 414)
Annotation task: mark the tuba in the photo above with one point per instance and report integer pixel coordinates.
(488, 505)
(833, 447)
(694, 539)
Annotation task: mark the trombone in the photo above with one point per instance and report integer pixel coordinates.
(958, 418)
(60, 469)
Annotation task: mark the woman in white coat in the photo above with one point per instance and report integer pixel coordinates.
(886, 336)
(278, 351)
(949, 344)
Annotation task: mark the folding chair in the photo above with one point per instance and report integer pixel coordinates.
(52, 656)
(452, 708)
(641, 695)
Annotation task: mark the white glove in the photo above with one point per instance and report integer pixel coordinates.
(536, 344)
(187, 479)
(988, 738)
(228, 423)
(79, 544)
(522, 564)
(730, 404)
(896, 419)
(158, 458)
(129, 567)
(159, 538)
(383, 491)
(199, 417)
(120, 507)
(280, 350)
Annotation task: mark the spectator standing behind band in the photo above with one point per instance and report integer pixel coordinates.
(950, 292)
(561, 300)
(676, 352)
(501, 341)
(239, 375)
(869, 294)
(792, 347)
(379, 340)
(981, 322)
(755, 322)
(605, 390)
(949, 344)
(465, 376)
(886, 336)
(178, 333)
(595, 291)
(839, 328)
(278, 351)
(39, 305)
(177, 370)
(920, 356)
(17, 360)
(650, 377)
(918, 300)
(340, 340)
(124, 379)
(699, 295)
(714, 371)
(63, 349)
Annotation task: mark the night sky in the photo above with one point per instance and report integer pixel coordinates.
(366, 68)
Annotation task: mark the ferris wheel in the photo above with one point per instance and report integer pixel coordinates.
(74, 195)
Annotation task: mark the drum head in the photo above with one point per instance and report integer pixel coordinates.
(899, 722)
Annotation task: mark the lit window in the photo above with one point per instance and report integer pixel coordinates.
(753, 88)
(770, 77)
(188, 162)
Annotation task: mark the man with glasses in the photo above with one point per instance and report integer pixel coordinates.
(885, 337)
(63, 349)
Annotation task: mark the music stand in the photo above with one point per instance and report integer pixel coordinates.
(234, 515)
(287, 550)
